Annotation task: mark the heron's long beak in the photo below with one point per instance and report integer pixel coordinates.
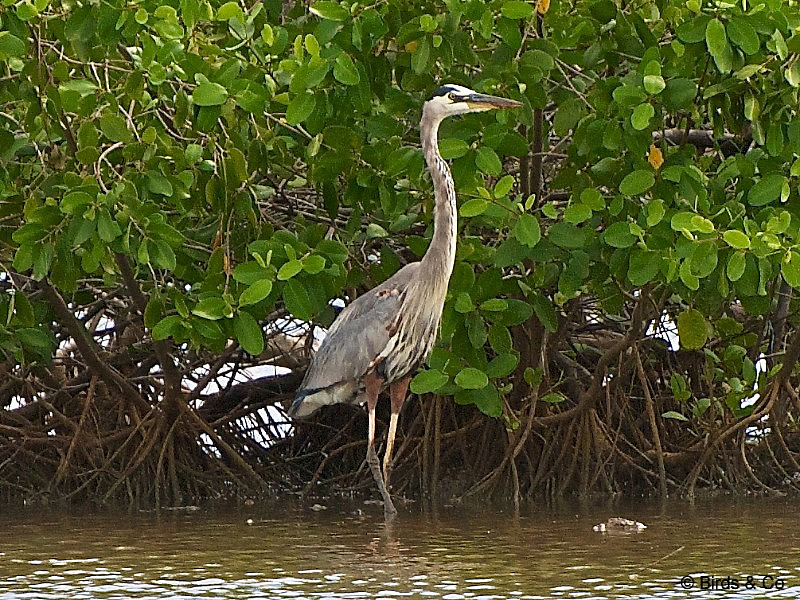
(485, 102)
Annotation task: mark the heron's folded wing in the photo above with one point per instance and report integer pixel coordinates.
(359, 334)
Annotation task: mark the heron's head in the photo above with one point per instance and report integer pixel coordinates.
(452, 99)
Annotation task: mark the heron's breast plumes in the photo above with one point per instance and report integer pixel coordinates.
(415, 331)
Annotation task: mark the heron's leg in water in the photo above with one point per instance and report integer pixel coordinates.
(398, 390)
(373, 388)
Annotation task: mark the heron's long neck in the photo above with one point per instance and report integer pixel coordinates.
(440, 257)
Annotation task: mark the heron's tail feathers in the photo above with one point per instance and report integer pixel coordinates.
(308, 401)
(299, 407)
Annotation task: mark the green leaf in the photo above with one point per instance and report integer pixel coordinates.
(654, 84)
(167, 233)
(718, 46)
(331, 11)
(471, 379)
(249, 272)
(628, 95)
(515, 9)
(567, 116)
(736, 266)
(736, 239)
(153, 311)
(209, 94)
(500, 338)
(164, 255)
(419, 60)
(256, 292)
(679, 94)
(23, 311)
(488, 161)
(503, 186)
(637, 182)
(577, 213)
(35, 340)
(25, 256)
(545, 312)
(644, 266)
(476, 329)
(451, 148)
(502, 365)
(688, 278)
(552, 398)
(230, 10)
(464, 303)
(211, 308)
(375, 231)
(84, 87)
(790, 268)
(300, 108)
(115, 128)
(313, 264)
(208, 329)
(428, 381)
(345, 71)
(517, 312)
(248, 333)
(494, 305)
(30, 232)
(671, 414)
(11, 46)
(655, 212)
(158, 183)
(566, 235)
(593, 199)
(107, 228)
(289, 269)
(692, 329)
(297, 300)
(618, 235)
(743, 35)
(72, 202)
(486, 399)
(748, 71)
(527, 230)
(693, 31)
(641, 116)
(473, 207)
(704, 259)
(767, 190)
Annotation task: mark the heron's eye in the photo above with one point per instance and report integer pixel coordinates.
(452, 96)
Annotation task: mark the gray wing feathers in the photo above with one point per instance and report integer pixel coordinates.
(359, 334)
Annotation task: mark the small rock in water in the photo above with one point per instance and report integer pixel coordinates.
(250, 521)
(619, 524)
(318, 507)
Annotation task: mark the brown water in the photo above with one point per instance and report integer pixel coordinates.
(268, 552)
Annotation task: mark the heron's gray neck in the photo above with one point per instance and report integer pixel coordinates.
(440, 257)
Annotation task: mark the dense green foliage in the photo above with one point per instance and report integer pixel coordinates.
(248, 161)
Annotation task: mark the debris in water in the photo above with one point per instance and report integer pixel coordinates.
(619, 524)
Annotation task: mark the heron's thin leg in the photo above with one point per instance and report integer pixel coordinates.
(373, 385)
(398, 392)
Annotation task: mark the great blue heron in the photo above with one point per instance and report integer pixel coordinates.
(383, 336)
